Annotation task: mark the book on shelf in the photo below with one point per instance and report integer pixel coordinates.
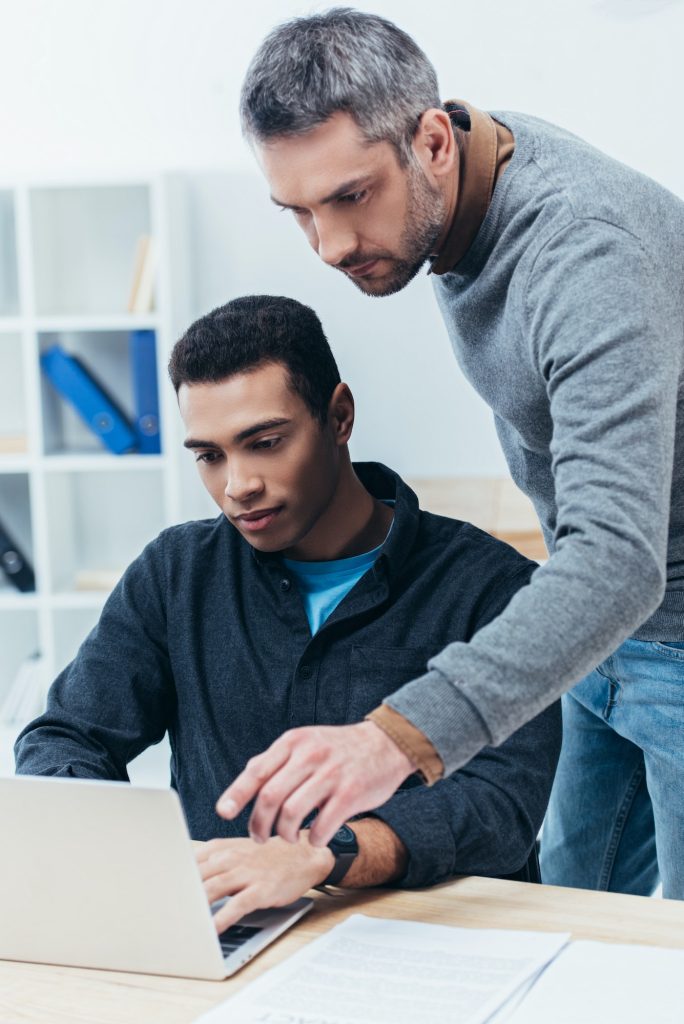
(14, 563)
(142, 349)
(99, 411)
(13, 444)
(97, 579)
(26, 697)
(141, 297)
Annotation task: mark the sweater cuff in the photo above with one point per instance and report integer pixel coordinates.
(410, 740)
(438, 709)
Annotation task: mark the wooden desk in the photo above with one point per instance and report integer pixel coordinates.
(35, 994)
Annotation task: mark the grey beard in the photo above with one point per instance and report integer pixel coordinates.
(424, 224)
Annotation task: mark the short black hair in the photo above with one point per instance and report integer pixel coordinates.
(255, 330)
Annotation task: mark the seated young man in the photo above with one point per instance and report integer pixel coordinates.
(319, 589)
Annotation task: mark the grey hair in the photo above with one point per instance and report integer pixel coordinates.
(310, 68)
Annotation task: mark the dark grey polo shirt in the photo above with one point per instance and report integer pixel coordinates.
(208, 640)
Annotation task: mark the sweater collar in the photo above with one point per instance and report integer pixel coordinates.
(485, 148)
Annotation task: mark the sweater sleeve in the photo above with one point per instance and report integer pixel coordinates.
(117, 696)
(609, 357)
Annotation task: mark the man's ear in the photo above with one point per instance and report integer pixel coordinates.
(434, 143)
(341, 413)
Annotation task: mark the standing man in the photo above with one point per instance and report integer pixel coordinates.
(559, 273)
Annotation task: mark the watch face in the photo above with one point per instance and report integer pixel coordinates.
(344, 847)
(344, 835)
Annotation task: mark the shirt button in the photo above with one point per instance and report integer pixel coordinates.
(285, 584)
(305, 672)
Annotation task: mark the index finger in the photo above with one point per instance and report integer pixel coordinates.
(256, 773)
(234, 908)
(331, 816)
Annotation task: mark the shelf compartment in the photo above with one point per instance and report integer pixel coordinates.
(13, 425)
(84, 244)
(19, 639)
(9, 278)
(99, 522)
(106, 355)
(15, 516)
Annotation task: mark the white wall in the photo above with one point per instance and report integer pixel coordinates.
(120, 86)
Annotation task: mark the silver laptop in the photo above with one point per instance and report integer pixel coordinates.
(102, 874)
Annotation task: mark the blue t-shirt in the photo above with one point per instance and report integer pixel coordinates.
(324, 584)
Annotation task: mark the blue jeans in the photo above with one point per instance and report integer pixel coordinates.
(616, 816)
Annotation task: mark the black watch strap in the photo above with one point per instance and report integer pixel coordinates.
(345, 848)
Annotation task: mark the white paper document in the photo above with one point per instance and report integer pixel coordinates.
(375, 971)
(596, 982)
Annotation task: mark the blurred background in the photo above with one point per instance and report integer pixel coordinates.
(129, 205)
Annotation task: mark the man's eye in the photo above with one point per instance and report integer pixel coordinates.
(266, 443)
(207, 457)
(296, 211)
(353, 197)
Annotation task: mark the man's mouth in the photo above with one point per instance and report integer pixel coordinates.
(361, 269)
(258, 520)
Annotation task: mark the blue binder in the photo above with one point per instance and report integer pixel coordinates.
(97, 409)
(143, 356)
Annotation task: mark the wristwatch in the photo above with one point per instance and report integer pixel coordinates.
(345, 849)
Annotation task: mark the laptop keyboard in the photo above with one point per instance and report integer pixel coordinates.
(236, 936)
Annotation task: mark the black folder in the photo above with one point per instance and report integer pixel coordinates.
(14, 564)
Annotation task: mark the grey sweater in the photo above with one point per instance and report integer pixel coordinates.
(567, 315)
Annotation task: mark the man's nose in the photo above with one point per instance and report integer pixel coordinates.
(241, 485)
(334, 241)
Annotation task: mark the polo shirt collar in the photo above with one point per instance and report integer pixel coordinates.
(485, 147)
(382, 483)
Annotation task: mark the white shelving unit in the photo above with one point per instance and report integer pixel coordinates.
(66, 265)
